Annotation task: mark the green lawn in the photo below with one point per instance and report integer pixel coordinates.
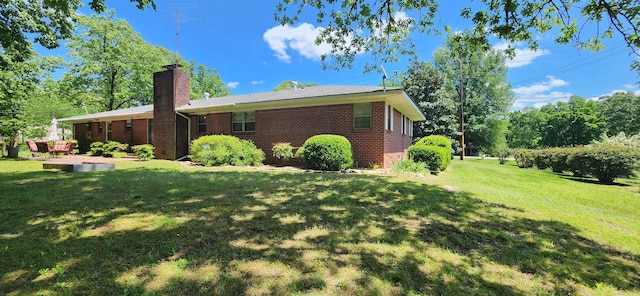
(159, 227)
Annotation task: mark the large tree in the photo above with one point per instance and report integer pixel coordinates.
(426, 86)
(621, 112)
(525, 128)
(486, 92)
(111, 66)
(206, 80)
(571, 123)
(376, 27)
(45, 22)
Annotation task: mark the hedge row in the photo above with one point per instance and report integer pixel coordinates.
(604, 162)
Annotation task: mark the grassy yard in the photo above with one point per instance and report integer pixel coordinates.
(158, 227)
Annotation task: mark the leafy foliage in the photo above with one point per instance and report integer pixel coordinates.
(282, 151)
(525, 128)
(571, 123)
(114, 149)
(327, 153)
(524, 158)
(427, 87)
(144, 152)
(111, 66)
(46, 22)
(287, 84)
(487, 94)
(433, 157)
(220, 150)
(353, 27)
(621, 113)
(503, 154)
(96, 148)
(205, 80)
(604, 162)
(621, 139)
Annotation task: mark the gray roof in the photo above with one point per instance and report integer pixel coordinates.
(310, 96)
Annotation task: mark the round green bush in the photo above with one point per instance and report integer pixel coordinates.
(524, 158)
(436, 140)
(220, 150)
(429, 155)
(327, 153)
(144, 152)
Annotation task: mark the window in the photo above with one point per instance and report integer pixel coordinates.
(362, 116)
(404, 124)
(202, 123)
(244, 121)
(389, 117)
(128, 125)
(99, 127)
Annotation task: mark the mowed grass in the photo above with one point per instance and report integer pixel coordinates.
(158, 227)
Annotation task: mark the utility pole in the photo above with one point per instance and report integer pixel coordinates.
(461, 112)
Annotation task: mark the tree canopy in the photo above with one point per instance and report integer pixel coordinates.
(46, 22)
(487, 94)
(426, 86)
(621, 113)
(288, 84)
(380, 28)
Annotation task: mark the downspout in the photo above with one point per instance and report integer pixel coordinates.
(188, 133)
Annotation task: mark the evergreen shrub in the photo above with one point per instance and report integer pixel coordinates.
(432, 157)
(327, 152)
(96, 149)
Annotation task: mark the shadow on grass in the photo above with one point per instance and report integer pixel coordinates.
(141, 231)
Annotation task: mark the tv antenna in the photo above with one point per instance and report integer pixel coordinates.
(384, 76)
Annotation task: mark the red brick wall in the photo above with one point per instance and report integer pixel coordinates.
(119, 134)
(295, 125)
(96, 134)
(395, 142)
(139, 132)
(165, 99)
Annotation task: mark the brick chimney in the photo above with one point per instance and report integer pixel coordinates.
(171, 89)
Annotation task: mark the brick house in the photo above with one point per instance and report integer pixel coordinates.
(378, 122)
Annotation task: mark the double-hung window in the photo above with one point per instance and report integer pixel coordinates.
(244, 121)
(388, 114)
(362, 116)
(202, 124)
(128, 125)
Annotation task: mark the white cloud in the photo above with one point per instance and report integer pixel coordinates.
(540, 94)
(523, 56)
(256, 82)
(301, 39)
(233, 84)
(540, 87)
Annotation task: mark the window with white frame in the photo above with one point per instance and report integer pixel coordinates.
(244, 121)
(388, 115)
(202, 124)
(404, 124)
(362, 116)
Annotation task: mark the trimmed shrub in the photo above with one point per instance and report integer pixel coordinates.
(503, 154)
(524, 158)
(282, 151)
(143, 152)
(114, 149)
(605, 162)
(96, 149)
(327, 152)
(436, 140)
(432, 157)
(558, 159)
(221, 150)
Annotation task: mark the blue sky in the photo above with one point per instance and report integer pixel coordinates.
(253, 53)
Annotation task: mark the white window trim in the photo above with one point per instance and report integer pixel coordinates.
(404, 124)
(388, 117)
(244, 122)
